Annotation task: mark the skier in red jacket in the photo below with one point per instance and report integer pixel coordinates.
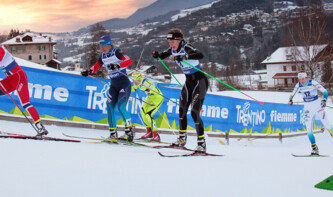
(16, 79)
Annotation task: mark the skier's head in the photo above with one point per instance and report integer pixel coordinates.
(137, 78)
(302, 77)
(175, 37)
(105, 43)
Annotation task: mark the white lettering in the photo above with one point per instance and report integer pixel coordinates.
(61, 94)
(91, 90)
(45, 92)
(283, 117)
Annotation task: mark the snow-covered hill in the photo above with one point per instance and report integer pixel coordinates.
(250, 167)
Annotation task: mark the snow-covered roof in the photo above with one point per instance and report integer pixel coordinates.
(144, 68)
(292, 54)
(57, 61)
(36, 39)
(29, 64)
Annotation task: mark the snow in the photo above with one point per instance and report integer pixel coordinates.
(186, 12)
(250, 167)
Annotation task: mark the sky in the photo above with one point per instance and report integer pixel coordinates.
(62, 15)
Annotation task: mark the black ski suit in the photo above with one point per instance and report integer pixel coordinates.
(196, 84)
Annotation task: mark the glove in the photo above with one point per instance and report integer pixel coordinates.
(323, 103)
(156, 55)
(113, 66)
(86, 73)
(179, 58)
(290, 102)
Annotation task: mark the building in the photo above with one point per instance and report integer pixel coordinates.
(33, 47)
(284, 63)
(148, 69)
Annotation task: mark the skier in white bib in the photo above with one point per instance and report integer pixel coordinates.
(313, 107)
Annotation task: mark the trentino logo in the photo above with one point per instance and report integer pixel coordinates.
(249, 117)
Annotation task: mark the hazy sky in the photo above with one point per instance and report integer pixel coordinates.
(62, 15)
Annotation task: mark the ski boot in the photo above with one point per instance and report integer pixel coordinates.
(128, 136)
(201, 148)
(315, 150)
(149, 134)
(113, 136)
(156, 137)
(41, 129)
(181, 140)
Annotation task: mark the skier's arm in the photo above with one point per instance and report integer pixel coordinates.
(165, 53)
(2, 53)
(321, 89)
(96, 66)
(127, 61)
(293, 93)
(192, 53)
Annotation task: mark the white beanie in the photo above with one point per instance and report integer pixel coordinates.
(302, 75)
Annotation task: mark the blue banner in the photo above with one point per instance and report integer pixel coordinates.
(74, 97)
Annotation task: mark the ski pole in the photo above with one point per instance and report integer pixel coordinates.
(169, 71)
(139, 59)
(3, 90)
(261, 102)
(143, 101)
(137, 111)
(99, 80)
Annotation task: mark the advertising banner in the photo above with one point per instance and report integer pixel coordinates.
(71, 97)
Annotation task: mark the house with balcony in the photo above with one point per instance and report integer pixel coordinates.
(284, 64)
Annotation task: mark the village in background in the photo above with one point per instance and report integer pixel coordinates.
(262, 48)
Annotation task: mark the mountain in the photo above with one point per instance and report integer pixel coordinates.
(157, 8)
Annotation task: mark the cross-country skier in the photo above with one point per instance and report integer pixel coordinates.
(115, 62)
(16, 79)
(313, 107)
(150, 106)
(195, 88)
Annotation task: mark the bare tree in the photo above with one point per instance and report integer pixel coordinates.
(308, 38)
(92, 49)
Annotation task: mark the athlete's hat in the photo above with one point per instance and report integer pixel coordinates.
(175, 36)
(137, 76)
(302, 75)
(105, 40)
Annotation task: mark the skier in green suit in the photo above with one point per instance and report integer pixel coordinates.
(150, 106)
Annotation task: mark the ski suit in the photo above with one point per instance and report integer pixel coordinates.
(195, 87)
(312, 106)
(120, 88)
(152, 103)
(16, 79)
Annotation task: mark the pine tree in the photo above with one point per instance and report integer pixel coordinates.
(13, 33)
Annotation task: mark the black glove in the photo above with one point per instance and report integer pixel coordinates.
(179, 58)
(290, 102)
(323, 103)
(86, 73)
(156, 55)
(113, 66)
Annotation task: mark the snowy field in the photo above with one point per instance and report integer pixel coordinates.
(251, 168)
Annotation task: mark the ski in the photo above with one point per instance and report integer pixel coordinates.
(34, 137)
(309, 155)
(150, 141)
(173, 147)
(108, 140)
(190, 154)
(128, 143)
